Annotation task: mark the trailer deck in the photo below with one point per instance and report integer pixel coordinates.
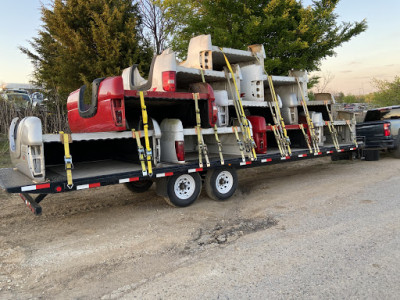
(101, 173)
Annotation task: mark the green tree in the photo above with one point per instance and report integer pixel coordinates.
(293, 36)
(81, 40)
(349, 98)
(388, 92)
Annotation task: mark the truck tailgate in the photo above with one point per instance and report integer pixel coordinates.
(371, 129)
(373, 134)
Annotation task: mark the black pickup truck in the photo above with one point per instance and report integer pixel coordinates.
(380, 131)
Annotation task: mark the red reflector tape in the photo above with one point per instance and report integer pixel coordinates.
(125, 180)
(88, 186)
(266, 160)
(195, 170)
(43, 186)
(164, 174)
(329, 152)
(302, 155)
(94, 185)
(35, 187)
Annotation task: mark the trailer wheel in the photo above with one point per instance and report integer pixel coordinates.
(139, 186)
(183, 190)
(221, 183)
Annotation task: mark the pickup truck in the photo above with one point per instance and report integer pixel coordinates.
(380, 131)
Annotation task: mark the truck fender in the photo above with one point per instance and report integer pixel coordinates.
(172, 131)
(156, 142)
(26, 147)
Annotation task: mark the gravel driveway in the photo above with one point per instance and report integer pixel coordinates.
(311, 229)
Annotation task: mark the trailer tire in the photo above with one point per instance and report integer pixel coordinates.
(335, 157)
(221, 183)
(139, 186)
(183, 189)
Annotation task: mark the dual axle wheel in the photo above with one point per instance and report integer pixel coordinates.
(183, 189)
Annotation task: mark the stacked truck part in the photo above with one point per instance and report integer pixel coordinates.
(190, 123)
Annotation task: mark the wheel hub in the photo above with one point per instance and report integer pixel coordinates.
(224, 182)
(184, 186)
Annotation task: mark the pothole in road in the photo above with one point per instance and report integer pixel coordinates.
(228, 231)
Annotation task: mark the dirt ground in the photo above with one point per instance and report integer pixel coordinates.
(109, 243)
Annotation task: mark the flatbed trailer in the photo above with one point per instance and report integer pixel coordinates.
(109, 172)
(190, 114)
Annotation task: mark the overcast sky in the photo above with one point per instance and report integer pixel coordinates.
(373, 54)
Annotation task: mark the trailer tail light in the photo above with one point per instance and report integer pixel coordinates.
(180, 150)
(168, 81)
(386, 128)
(214, 114)
(117, 110)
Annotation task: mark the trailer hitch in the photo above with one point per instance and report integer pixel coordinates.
(33, 204)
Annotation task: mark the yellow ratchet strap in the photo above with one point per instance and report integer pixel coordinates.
(219, 144)
(279, 120)
(310, 123)
(202, 146)
(65, 139)
(332, 128)
(278, 133)
(215, 127)
(277, 109)
(148, 152)
(352, 133)
(240, 143)
(306, 137)
(249, 142)
(136, 135)
(202, 76)
(278, 140)
(333, 134)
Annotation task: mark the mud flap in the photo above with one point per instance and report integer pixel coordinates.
(161, 187)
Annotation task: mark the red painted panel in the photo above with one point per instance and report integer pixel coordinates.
(259, 127)
(110, 115)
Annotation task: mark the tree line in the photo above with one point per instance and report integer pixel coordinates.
(81, 40)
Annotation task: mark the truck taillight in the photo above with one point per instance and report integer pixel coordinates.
(386, 128)
(117, 110)
(214, 114)
(180, 150)
(168, 81)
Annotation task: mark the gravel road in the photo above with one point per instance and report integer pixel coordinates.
(312, 229)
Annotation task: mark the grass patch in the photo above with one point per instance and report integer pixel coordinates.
(5, 161)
